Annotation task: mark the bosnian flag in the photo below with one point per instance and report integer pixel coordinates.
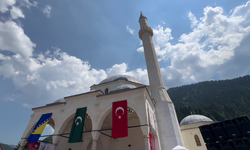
(119, 119)
(38, 130)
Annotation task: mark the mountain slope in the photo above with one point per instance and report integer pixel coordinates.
(218, 100)
(6, 147)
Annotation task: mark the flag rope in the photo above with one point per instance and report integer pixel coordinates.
(62, 134)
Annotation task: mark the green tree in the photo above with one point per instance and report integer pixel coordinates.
(18, 145)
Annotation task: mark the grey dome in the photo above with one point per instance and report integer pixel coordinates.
(120, 77)
(62, 100)
(125, 86)
(195, 119)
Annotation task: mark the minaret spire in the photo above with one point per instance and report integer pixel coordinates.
(168, 126)
(142, 16)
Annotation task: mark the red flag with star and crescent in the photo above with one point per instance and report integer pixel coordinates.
(33, 146)
(119, 119)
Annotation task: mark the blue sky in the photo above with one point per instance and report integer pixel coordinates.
(50, 49)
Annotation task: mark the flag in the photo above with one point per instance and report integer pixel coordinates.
(38, 130)
(152, 118)
(119, 119)
(33, 146)
(1, 146)
(42, 145)
(49, 147)
(152, 141)
(77, 126)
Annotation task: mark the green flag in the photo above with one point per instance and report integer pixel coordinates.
(77, 126)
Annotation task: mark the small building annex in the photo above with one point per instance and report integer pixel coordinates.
(190, 131)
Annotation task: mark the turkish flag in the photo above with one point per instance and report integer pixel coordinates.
(152, 141)
(119, 119)
(33, 146)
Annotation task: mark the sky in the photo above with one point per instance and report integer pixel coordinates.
(51, 49)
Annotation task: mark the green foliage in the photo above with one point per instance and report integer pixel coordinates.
(48, 139)
(218, 100)
(18, 145)
(6, 147)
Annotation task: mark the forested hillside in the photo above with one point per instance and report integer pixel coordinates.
(6, 147)
(218, 100)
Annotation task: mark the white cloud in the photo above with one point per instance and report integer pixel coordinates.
(16, 12)
(26, 105)
(121, 69)
(47, 10)
(13, 38)
(49, 129)
(216, 46)
(140, 49)
(4, 4)
(161, 40)
(194, 22)
(27, 3)
(131, 31)
(49, 76)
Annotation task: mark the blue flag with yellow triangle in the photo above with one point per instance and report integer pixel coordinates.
(38, 130)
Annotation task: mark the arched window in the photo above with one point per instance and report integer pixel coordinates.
(106, 91)
(197, 140)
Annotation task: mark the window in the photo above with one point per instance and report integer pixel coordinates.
(197, 140)
(106, 91)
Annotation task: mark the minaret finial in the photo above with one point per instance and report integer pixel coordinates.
(142, 16)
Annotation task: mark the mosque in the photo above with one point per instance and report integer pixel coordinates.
(152, 120)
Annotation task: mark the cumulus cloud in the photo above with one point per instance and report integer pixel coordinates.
(216, 46)
(161, 40)
(131, 31)
(13, 38)
(47, 10)
(27, 3)
(4, 4)
(46, 77)
(193, 20)
(122, 69)
(16, 12)
(49, 76)
(26, 105)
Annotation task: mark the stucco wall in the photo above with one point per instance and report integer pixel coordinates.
(98, 108)
(188, 132)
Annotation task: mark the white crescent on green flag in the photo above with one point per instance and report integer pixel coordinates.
(77, 126)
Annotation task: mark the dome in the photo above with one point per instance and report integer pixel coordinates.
(195, 119)
(120, 77)
(125, 86)
(62, 100)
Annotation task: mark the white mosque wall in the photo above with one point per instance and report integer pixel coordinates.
(135, 137)
(98, 107)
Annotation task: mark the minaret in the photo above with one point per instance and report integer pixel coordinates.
(168, 126)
